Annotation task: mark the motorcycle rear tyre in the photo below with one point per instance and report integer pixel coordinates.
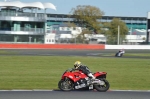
(102, 88)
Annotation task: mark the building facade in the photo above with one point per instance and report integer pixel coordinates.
(21, 23)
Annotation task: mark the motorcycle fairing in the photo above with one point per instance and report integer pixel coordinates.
(100, 74)
(75, 76)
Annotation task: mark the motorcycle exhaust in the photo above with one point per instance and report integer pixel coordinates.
(99, 82)
(80, 86)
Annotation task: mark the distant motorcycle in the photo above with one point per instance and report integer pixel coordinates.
(76, 80)
(120, 53)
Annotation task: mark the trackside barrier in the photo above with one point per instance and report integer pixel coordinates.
(127, 46)
(53, 46)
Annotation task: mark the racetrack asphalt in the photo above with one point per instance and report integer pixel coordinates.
(72, 94)
(61, 52)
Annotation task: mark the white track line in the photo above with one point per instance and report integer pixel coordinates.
(54, 90)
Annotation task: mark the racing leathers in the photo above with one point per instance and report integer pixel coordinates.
(86, 71)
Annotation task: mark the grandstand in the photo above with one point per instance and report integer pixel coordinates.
(21, 23)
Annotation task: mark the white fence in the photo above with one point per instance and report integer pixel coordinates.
(127, 47)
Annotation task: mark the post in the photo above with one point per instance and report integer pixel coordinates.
(118, 33)
(131, 31)
(30, 39)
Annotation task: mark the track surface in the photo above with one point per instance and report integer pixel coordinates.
(72, 94)
(61, 52)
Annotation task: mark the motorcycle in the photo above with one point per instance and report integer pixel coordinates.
(76, 80)
(119, 53)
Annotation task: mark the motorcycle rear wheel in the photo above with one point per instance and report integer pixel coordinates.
(102, 88)
(65, 85)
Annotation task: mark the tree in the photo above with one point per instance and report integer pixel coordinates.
(86, 16)
(112, 32)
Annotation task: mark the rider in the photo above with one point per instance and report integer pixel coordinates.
(84, 69)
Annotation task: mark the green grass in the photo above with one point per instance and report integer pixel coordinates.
(44, 72)
(138, 54)
(129, 54)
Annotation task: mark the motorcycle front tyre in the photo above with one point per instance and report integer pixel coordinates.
(65, 86)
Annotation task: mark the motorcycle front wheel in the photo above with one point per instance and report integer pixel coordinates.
(102, 88)
(65, 85)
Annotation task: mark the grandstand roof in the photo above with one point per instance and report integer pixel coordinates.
(27, 5)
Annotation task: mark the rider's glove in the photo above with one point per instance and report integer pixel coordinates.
(73, 69)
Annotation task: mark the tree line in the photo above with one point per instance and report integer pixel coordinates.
(88, 17)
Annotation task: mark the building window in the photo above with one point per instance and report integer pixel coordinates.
(74, 28)
(68, 28)
(52, 40)
(63, 28)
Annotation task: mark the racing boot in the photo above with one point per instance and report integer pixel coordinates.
(92, 78)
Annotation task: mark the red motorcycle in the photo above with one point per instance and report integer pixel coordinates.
(76, 80)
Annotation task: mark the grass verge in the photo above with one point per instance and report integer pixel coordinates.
(44, 72)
